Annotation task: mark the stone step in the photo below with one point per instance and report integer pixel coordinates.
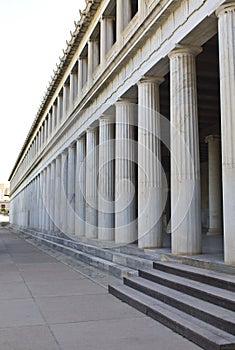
(132, 262)
(217, 279)
(215, 315)
(102, 264)
(201, 333)
(214, 295)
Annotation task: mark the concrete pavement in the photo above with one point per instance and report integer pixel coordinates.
(50, 302)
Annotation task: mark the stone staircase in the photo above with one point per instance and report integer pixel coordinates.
(197, 303)
(110, 260)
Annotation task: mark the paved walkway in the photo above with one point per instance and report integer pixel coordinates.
(50, 302)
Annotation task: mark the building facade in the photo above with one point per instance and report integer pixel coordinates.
(133, 141)
(4, 198)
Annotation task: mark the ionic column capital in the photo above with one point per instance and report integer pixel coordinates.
(230, 6)
(185, 49)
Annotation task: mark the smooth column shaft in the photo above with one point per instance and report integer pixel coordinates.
(226, 15)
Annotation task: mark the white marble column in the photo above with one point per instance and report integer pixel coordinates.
(73, 86)
(80, 187)
(64, 190)
(54, 116)
(71, 189)
(150, 178)
(91, 183)
(41, 201)
(93, 57)
(185, 163)
(125, 201)
(59, 107)
(123, 16)
(65, 99)
(82, 73)
(48, 192)
(215, 182)
(106, 37)
(43, 198)
(58, 193)
(106, 179)
(52, 197)
(226, 26)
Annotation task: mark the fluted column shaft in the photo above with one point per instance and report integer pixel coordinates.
(64, 190)
(48, 192)
(214, 167)
(185, 164)
(106, 179)
(57, 192)
(125, 201)
(150, 183)
(91, 183)
(226, 23)
(43, 198)
(71, 189)
(80, 187)
(52, 197)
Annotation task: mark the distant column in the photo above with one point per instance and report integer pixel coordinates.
(80, 187)
(52, 197)
(106, 179)
(91, 183)
(58, 193)
(64, 190)
(71, 189)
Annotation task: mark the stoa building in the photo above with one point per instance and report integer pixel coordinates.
(134, 140)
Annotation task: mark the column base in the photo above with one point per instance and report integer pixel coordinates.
(214, 231)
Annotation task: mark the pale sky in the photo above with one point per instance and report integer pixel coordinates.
(33, 34)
